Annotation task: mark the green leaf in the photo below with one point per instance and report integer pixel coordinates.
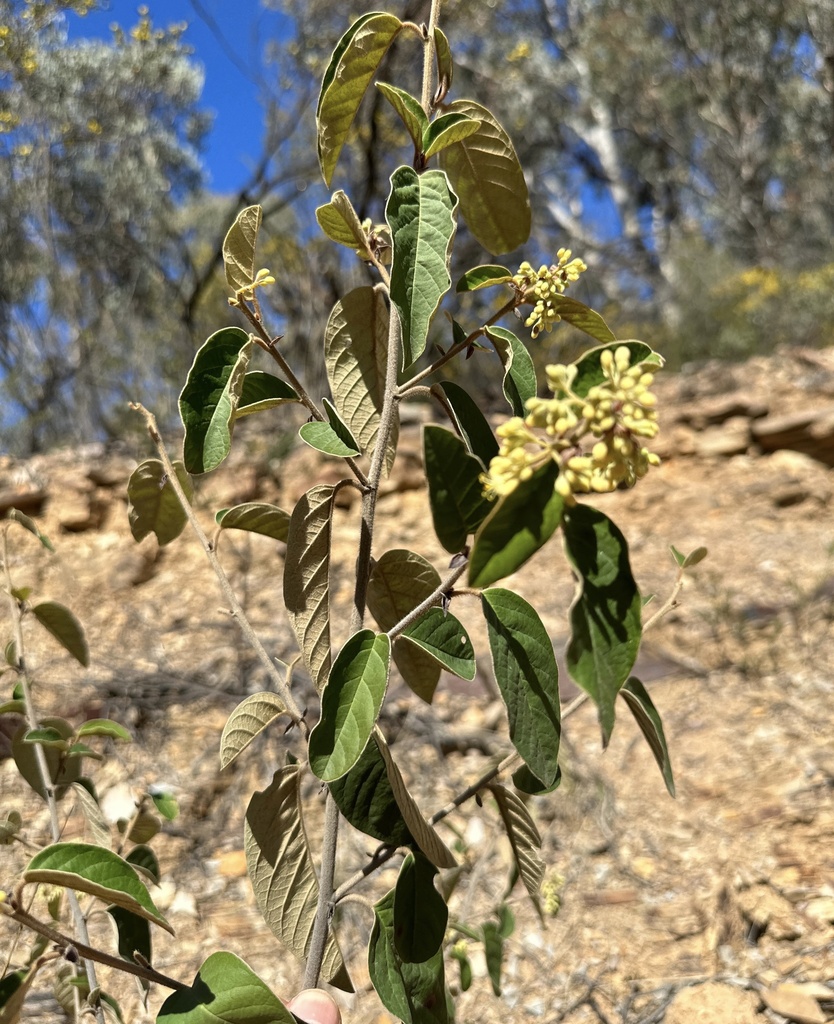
(134, 934)
(110, 1004)
(63, 771)
(63, 625)
(446, 130)
(465, 968)
(263, 391)
(306, 579)
(210, 398)
(142, 828)
(16, 516)
(423, 833)
(13, 707)
(411, 113)
(352, 66)
(526, 782)
(519, 371)
(248, 720)
(47, 738)
(256, 517)
(521, 523)
(356, 355)
(340, 222)
(21, 594)
(104, 727)
(441, 636)
(165, 802)
(526, 673)
(485, 173)
(589, 372)
(350, 704)
(282, 873)
(583, 318)
(606, 613)
(153, 505)
(98, 873)
(493, 953)
(400, 580)
(443, 52)
(525, 841)
(678, 557)
(82, 750)
(421, 213)
(366, 799)
(456, 494)
(414, 993)
(332, 438)
(144, 859)
(642, 707)
(10, 655)
(420, 912)
(14, 988)
(487, 276)
(225, 991)
(9, 827)
(96, 823)
(694, 557)
(239, 248)
(469, 421)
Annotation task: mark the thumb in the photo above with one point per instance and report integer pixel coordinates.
(315, 1007)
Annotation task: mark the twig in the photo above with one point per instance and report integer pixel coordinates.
(429, 602)
(428, 57)
(324, 908)
(271, 666)
(669, 604)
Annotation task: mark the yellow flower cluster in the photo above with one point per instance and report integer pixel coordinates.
(541, 287)
(595, 439)
(262, 278)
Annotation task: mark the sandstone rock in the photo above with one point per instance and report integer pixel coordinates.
(731, 438)
(713, 1003)
(791, 1002)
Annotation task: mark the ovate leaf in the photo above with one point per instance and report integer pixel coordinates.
(420, 912)
(103, 727)
(486, 276)
(63, 770)
(493, 953)
(256, 517)
(98, 873)
(366, 799)
(96, 822)
(239, 248)
(485, 173)
(469, 421)
(282, 873)
(440, 635)
(134, 934)
(519, 372)
(263, 391)
(210, 398)
(423, 833)
(63, 625)
(589, 372)
(29, 524)
(522, 522)
(582, 317)
(456, 494)
(14, 988)
(306, 579)
(421, 214)
(153, 505)
(340, 222)
(446, 130)
(225, 991)
(350, 704)
(526, 673)
(411, 112)
(415, 993)
(642, 707)
(443, 52)
(526, 782)
(352, 66)
(165, 802)
(524, 839)
(247, 721)
(144, 859)
(332, 437)
(606, 613)
(355, 354)
(400, 580)
(9, 827)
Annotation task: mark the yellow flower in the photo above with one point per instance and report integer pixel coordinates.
(544, 286)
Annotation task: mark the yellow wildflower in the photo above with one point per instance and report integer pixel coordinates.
(544, 286)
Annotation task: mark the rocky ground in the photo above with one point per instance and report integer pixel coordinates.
(714, 907)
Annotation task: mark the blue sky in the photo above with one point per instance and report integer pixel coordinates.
(233, 144)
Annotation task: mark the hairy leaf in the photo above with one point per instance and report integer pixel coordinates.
(153, 505)
(256, 517)
(210, 398)
(306, 579)
(606, 613)
(98, 873)
(522, 522)
(456, 494)
(526, 782)
(239, 248)
(526, 673)
(445, 68)
(225, 991)
(262, 391)
(144, 860)
(582, 317)
(589, 372)
(63, 625)
(99, 829)
(103, 727)
(524, 839)
(420, 912)
(248, 720)
(350, 704)
(355, 354)
(519, 372)
(352, 66)
(340, 222)
(282, 873)
(23, 520)
(14, 988)
(400, 580)
(485, 173)
(421, 213)
(486, 276)
(642, 707)
(469, 421)
(408, 107)
(9, 827)
(366, 799)
(440, 635)
(134, 934)
(493, 953)
(446, 130)
(332, 437)
(415, 993)
(424, 834)
(63, 770)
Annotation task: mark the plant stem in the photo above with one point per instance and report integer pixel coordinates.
(281, 687)
(324, 909)
(429, 602)
(43, 767)
(428, 57)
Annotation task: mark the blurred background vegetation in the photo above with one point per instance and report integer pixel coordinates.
(684, 151)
